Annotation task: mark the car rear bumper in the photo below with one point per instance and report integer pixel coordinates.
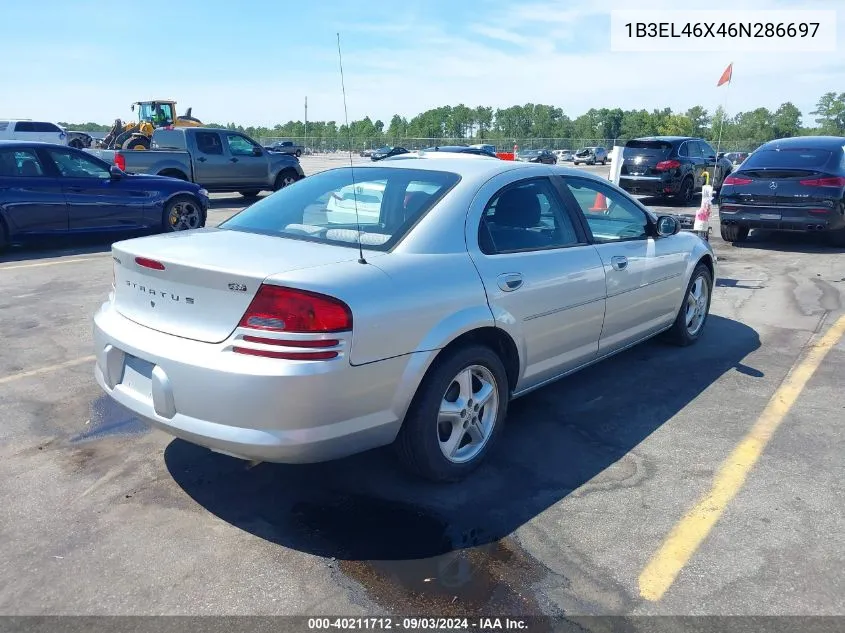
(781, 219)
(250, 407)
(648, 185)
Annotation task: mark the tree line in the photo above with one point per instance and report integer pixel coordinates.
(521, 123)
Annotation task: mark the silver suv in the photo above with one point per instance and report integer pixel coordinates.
(590, 156)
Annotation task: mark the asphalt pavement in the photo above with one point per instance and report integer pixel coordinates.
(594, 475)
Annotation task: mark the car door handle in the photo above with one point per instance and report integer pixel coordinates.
(510, 281)
(619, 262)
(233, 160)
(201, 159)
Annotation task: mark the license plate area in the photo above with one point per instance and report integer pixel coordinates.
(138, 376)
(770, 216)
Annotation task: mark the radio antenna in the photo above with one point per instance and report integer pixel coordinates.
(361, 259)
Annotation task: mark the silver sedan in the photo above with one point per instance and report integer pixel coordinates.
(402, 303)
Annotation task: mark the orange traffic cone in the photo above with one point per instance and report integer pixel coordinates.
(600, 204)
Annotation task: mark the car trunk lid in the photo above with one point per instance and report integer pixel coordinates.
(778, 187)
(198, 284)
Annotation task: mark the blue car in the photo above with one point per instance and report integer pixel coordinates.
(51, 190)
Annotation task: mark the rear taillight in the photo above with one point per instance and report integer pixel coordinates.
(736, 180)
(279, 309)
(666, 165)
(149, 263)
(120, 161)
(835, 181)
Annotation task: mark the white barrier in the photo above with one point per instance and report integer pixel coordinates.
(615, 164)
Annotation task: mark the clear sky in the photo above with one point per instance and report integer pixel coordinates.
(254, 61)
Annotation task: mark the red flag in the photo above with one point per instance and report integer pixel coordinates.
(726, 76)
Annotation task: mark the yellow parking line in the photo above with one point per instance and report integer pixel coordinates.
(689, 533)
(46, 370)
(55, 263)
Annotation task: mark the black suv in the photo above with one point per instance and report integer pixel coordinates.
(671, 166)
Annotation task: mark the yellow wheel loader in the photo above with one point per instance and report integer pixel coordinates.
(151, 115)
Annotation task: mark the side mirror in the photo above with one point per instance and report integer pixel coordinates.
(721, 154)
(668, 225)
(115, 172)
(256, 151)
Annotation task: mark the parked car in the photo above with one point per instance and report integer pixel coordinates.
(366, 153)
(791, 184)
(673, 166)
(54, 190)
(279, 306)
(537, 156)
(735, 158)
(462, 149)
(216, 159)
(485, 147)
(287, 147)
(387, 152)
(590, 156)
(79, 140)
(564, 155)
(36, 131)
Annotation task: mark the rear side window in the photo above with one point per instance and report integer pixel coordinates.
(21, 163)
(790, 158)
(4, 125)
(24, 126)
(694, 149)
(330, 206)
(209, 143)
(525, 217)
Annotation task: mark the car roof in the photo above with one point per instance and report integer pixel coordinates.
(9, 142)
(473, 167)
(808, 142)
(668, 139)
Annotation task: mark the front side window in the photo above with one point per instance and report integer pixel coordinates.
(240, 146)
(525, 216)
(331, 206)
(21, 163)
(612, 217)
(76, 165)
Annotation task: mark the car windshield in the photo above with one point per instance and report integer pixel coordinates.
(791, 158)
(331, 206)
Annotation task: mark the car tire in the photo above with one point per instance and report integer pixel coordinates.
(182, 213)
(734, 233)
(575, 163)
(298, 153)
(285, 178)
(423, 440)
(141, 142)
(694, 310)
(252, 193)
(685, 192)
(604, 162)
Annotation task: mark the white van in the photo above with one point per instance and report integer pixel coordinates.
(27, 130)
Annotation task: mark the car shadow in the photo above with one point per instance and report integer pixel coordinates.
(411, 543)
(809, 243)
(58, 247)
(234, 201)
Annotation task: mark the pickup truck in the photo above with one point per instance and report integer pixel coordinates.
(216, 159)
(286, 147)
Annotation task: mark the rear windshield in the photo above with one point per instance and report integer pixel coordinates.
(790, 158)
(322, 207)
